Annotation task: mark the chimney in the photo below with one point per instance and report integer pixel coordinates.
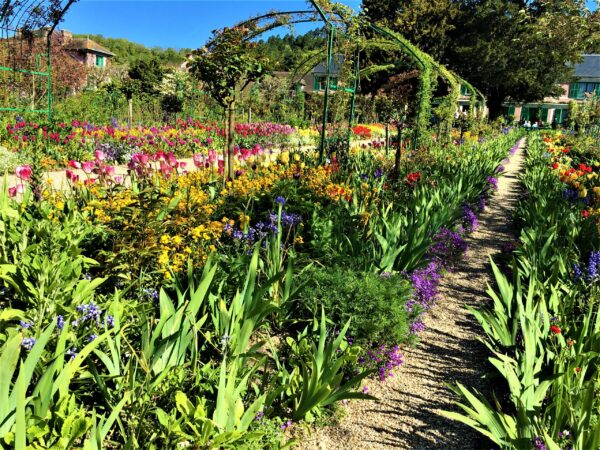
(67, 36)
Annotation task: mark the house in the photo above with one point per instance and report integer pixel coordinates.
(587, 82)
(86, 51)
(315, 79)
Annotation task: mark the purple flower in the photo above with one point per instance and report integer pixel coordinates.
(493, 182)
(447, 246)
(417, 326)
(570, 195)
(425, 283)
(481, 204)
(469, 219)
(280, 200)
(25, 325)
(538, 443)
(28, 343)
(286, 425)
(60, 322)
(72, 353)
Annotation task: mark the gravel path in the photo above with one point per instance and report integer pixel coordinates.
(407, 415)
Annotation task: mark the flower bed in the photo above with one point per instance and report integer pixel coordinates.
(170, 308)
(544, 327)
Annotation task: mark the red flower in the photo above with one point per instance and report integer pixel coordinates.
(585, 213)
(577, 369)
(555, 166)
(555, 329)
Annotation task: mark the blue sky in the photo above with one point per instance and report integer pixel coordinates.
(178, 24)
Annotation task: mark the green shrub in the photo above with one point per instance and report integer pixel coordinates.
(375, 303)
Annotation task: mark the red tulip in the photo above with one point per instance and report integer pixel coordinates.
(555, 329)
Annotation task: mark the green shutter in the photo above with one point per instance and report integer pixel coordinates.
(316, 83)
(575, 90)
(99, 61)
(544, 115)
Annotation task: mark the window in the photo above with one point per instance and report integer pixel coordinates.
(560, 115)
(464, 91)
(578, 90)
(100, 61)
(320, 83)
(509, 111)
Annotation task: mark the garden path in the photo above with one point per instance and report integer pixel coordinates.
(408, 412)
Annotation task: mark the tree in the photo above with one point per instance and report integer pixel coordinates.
(149, 73)
(509, 49)
(173, 89)
(226, 66)
(426, 23)
(392, 104)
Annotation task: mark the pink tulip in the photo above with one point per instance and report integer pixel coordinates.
(88, 166)
(99, 155)
(71, 176)
(18, 189)
(212, 156)
(171, 159)
(75, 164)
(118, 179)
(182, 165)
(24, 172)
(199, 160)
(89, 181)
(108, 170)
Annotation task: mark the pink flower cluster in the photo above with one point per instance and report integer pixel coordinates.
(143, 164)
(24, 174)
(105, 172)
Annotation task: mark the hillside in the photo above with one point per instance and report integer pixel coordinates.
(126, 52)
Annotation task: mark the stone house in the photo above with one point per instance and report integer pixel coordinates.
(587, 82)
(87, 51)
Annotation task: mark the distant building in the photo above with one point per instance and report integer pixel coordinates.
(87, 51)
(587, 76)
(316, 79)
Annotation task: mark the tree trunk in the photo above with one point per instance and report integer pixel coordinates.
(130, 111)
(494, 104)
(387, 138)
(230, 139)
(398, 154)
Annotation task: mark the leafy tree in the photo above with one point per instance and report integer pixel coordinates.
(226, 66)
(149, 74)
(426, 23)
(515, 49)
(392, 104)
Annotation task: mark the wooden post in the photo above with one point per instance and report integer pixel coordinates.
(231, 139)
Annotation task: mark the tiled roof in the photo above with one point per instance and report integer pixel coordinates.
(589, 68)
(88, 45)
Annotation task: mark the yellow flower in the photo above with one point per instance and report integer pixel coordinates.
(284, 157)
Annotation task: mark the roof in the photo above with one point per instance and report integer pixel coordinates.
(589, 68)
(337, 63)
(87, 45)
